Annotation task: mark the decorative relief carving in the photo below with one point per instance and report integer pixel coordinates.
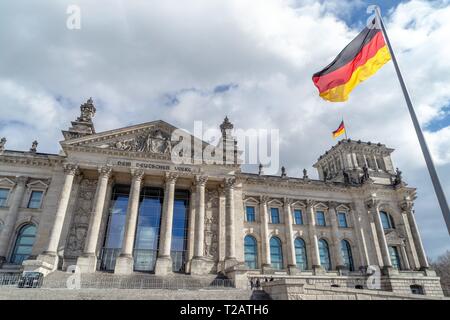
(211, 243)
(80, 219)
(71, 168)
(150, 141)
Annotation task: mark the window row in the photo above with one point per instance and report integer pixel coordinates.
(274, 217)
(34, 200)
(276, 253)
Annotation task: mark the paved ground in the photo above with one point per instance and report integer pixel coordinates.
(122, 294)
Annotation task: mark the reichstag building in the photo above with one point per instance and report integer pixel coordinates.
(116, 202)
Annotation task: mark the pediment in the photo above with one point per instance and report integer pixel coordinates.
(392, 237)
(152, 139)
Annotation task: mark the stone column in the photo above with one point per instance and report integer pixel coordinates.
(88, 260)
(407, 206)
(7, 233)
(191, 227)
(230, 230)
(314, 242)
(360, 235)
(125, 262)
(372, 205)
(164, 262)
(292, 263)
(335, 237)
(265, 244)
(198, 261)
(50, 256)
(406, 265)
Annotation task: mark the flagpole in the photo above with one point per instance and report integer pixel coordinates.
(345, 128)
(426, 153)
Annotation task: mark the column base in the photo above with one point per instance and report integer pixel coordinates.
(293, 270)
(202, 266)
(428, 271)
(318, 270)
(2, 261)
(87, 263)
(389, 271)
(163, 266)
(267, 269)
(230, 263)
(124, 265)
(45, 263)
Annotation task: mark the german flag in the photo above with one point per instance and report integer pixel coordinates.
(339, 131)
(361, 59)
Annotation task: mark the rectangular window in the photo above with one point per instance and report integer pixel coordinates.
(395, 257)
(298, 217)
(35, 200)
(250, 214)
(320, 218)
(275, 215)
(3, 197)
(342, 218)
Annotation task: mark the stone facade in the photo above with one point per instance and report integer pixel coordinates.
(361, 197)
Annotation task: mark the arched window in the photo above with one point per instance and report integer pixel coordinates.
(347, 257)
(251, 252)
(24, 244)
(276, 253)
(300, 254)
(324, 253)
(386, 220)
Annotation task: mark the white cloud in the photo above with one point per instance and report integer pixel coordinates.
(131, 55)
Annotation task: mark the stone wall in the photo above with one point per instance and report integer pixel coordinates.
(293, 289)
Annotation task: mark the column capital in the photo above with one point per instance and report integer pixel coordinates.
(407, 206)
(21, 180)
(264, 199)
(230, 182)
(170, 177)
(288, 202)
(332, 205)
(137, 174)
(71, 169)
(105, 171)
(201, 180)
(310, 203)
(372, 204)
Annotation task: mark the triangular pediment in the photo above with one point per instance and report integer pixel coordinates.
(152, 139)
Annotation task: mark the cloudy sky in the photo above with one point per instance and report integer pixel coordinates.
(252, 60)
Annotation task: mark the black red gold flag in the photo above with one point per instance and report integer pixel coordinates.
(361, 59)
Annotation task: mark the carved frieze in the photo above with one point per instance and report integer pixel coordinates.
(211, 243)
(80, 218)
(150, 141)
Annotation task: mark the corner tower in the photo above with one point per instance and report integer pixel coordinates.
(354, 162)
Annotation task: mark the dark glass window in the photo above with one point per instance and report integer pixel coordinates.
(251, 252)
(250, 214)
(275, 215)
(347, 257)
(342, 219)
(320, 218)
(3, 197)
(24, 244)
(386, 220)
(180, 230)
(416, 289)
(395, 257)
(147, 232)
(300, 254)
(115, 227)
(276, 253)
(324, 252)
(35, 200)
(298, 217)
